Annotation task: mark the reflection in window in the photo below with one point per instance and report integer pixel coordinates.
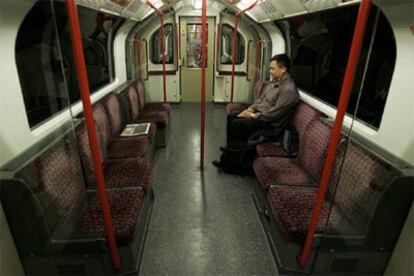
(40, 63)
(194, 45)
(320, 47)
(226, 54)
(156, 49)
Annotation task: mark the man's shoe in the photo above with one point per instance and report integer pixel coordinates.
(216, 163)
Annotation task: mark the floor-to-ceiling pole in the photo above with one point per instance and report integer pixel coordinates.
(203, 77)
(351, 68)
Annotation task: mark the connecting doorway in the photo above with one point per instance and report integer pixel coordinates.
(190, 53)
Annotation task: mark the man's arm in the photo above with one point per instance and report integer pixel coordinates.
(284, 103)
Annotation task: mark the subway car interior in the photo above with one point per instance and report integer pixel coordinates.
(112, 112)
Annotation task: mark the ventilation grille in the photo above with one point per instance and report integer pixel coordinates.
(316, 5)
(135, 9)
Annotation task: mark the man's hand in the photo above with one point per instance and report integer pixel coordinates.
(247, 113)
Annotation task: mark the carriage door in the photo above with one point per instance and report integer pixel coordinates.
(190, 53)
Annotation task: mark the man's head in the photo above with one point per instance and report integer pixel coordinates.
(279, 66)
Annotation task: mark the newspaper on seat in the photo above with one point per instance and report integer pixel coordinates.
(136, 129)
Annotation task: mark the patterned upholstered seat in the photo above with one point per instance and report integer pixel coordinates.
(257, 91)
(128, 172)
(303, 171)
(150, 107)
(72, 212)
(157, 113)
(122, 147)
(292, 210)
(353, 195)
(300, 120)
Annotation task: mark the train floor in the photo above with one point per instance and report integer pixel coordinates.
(203, 222)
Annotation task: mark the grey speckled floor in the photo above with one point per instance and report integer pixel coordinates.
(203, 223)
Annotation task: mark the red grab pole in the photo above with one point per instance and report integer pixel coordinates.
(256, 66)
(351, 67)
(138, 45)
(162, 47)
(236, 24)
(203, 77)
(93, 142)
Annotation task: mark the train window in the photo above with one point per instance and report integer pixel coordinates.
(43, 66)
(319, 51)
(194, 43)
(155, 47)
(226, 54)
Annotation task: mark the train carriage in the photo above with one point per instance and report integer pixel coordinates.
(112, 112)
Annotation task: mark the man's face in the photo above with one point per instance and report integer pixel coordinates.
(275, 71)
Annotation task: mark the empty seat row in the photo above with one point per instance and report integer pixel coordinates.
(54, 193)
(363, 190)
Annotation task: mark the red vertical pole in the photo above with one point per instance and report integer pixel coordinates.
(203, 77)
(217, 46)
(162, 47)
(176, 45)
(256, 66)
(236, 24)
(356, 45)
(138, 45)
(81, 73)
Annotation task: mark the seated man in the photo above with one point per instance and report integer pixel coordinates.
(271, 110)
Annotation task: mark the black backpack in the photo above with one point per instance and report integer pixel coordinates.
(238, 159)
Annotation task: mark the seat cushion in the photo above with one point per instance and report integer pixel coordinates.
(151, 107)
(292, 209)
(126, 207)
(160, 118)
(272, 149)
(128, 148)
(281, 171)
(235, 107)
(131, 172)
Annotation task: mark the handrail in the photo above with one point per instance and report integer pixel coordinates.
(217, 46)
(248, 59)
(203, 77)
(82, 75)
(162, 46)
(146, 59)
(259, 44)
(236, 24)
(138, 45)
(176, 47)
(351, 67)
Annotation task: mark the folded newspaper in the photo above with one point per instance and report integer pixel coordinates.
(136, 129)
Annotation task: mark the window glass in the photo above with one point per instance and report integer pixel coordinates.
(43, 66)
(320, 45)
(226, 54)
(156, 49)
(194, 45)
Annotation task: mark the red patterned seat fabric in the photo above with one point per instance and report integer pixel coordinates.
(272, 149)
(73, 213)
(292, 210)
(303, 171)
(152, 107)
(257, 91)
(304, 114)
(281, 171)
(128, 148)
(160, 118)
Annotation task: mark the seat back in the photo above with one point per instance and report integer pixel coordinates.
(139, 86)
(360, 187)
(258, 89)
(113, 110)
(303, 115)
(86, 155)
(133, 101)
(102, 122)
(313, 147)
(61, 187)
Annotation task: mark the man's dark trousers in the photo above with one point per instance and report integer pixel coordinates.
(240, 129)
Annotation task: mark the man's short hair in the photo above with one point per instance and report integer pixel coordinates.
(282, 60)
